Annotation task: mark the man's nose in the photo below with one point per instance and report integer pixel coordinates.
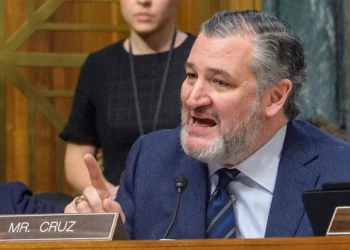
(199, 96)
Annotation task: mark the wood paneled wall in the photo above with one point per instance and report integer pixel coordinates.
(42, 46)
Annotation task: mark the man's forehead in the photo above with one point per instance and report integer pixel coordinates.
(211, 50)
(222, 46)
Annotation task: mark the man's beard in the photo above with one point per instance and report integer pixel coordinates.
(232, 144)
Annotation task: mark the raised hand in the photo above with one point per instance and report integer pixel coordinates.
(96, 198)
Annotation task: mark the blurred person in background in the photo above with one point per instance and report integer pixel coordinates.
(127, 89)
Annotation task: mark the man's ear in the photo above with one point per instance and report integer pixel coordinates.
(277, 96)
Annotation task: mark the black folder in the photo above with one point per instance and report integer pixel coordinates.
(320, 204)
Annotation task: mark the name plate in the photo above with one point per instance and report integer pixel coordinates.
(340, 223)
(94, 226)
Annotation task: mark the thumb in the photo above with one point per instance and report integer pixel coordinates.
(96, 177)
(111, 206)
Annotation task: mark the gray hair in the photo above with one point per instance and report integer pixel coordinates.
(277, 53)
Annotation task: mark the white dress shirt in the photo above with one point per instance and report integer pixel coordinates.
(253, 187)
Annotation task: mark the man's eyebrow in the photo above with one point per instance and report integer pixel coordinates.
(189, 65)
(213, 70)
(220, 72)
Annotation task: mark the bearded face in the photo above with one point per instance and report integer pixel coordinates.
(231, 143)
(221, 114)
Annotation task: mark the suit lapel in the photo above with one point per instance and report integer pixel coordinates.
(294, 176)
(191, 219)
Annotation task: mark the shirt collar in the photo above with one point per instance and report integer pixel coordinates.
(261, 166)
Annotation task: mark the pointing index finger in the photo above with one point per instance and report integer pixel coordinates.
(96, 177)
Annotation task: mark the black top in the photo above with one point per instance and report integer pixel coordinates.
(103, 112)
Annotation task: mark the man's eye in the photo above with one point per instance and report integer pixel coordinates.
(191, 76)
(220, 83)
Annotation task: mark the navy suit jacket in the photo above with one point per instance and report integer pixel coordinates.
(16, 198)
(147, 196)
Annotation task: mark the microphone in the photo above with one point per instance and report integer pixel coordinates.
(180, 183)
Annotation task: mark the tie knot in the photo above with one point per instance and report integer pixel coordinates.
(226, 176)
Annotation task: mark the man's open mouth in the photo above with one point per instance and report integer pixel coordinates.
(204, 122)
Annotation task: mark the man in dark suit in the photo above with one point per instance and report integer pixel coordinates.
(16, 198)
(239, 102)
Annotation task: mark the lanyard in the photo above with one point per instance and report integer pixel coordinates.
(161, 91)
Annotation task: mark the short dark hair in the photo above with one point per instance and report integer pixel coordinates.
(277, 54)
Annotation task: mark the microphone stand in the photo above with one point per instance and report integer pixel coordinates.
(180, 185)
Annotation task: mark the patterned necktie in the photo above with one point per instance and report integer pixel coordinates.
(220, 214)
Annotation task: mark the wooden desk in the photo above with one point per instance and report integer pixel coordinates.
(314, 243)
